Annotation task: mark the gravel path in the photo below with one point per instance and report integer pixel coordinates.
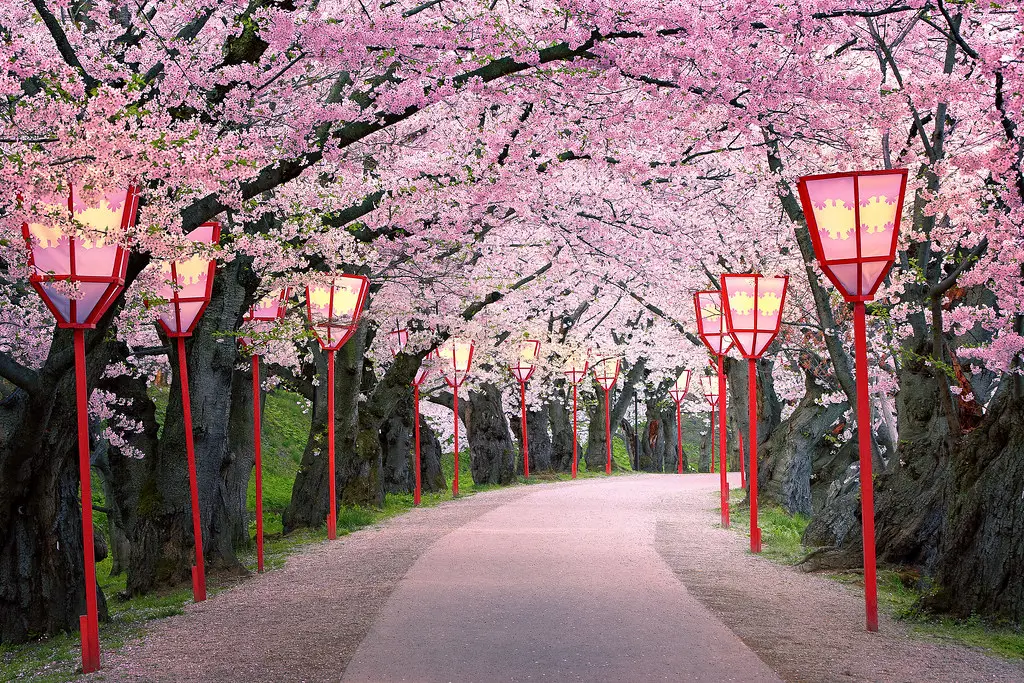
(621, 579)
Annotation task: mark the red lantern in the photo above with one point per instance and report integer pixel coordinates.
(606, 373)
(715, 334)
(457, 355)
(678, 393)
(753, 313)
(854, 219)
(333, 307)
(265, 312)
(186, 292)
(97, 270)
(576, 372)
(523, 369)
(854, 222)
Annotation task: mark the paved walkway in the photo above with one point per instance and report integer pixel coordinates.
(608, 579)
(564, 584)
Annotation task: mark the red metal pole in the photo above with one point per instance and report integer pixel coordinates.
(199, 570)
(679, 432)
(526, 447)
(455, 482)
(575, 415)
(755, 531)
(89, 622)
(743, 466)
(722, 468)
(711, 438)
(608, 432)
(867, 493)
(257, 423)
(416, 416)
(332, 515)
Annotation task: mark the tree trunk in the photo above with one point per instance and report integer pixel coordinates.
(397, 440)
(978, 569)
(539, 440)
(123, 474)
(42, 589)
(787, 456)
(162, 538)
(431, 474)
(560, 418)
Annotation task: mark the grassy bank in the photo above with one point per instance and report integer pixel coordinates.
(898, 594)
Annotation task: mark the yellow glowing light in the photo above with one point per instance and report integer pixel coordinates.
(836, 218)
(48, 236)
(345, 301)
(769, 303)
(741, 303)
(320, 297)
(528, 351)
(877, 214)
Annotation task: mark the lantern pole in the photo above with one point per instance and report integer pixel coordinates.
(755, 531)
(723, 480)
(89, 622)
(743, 466)
(526, 447)
(608, 431)
(679, 432)
(332, 515)
(257, 423)
(711, 438)
(416, 418)
(455, 391)
(575, 417)
(199, 569)
(867, 493)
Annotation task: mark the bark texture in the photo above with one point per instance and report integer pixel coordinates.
(786, 458)
(981, 555)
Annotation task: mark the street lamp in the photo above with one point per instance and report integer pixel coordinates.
(853, 219)
(713, 332)
(575, 372)
(186, 287)
(97, 269)
(754, 316)
(334, 306)
(709, 387)
(678, 393)
(606, 372)
(523, 369)
(457, 354)
(261, 314)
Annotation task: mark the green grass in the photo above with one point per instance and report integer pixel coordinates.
(897, 592)
(780, 531)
